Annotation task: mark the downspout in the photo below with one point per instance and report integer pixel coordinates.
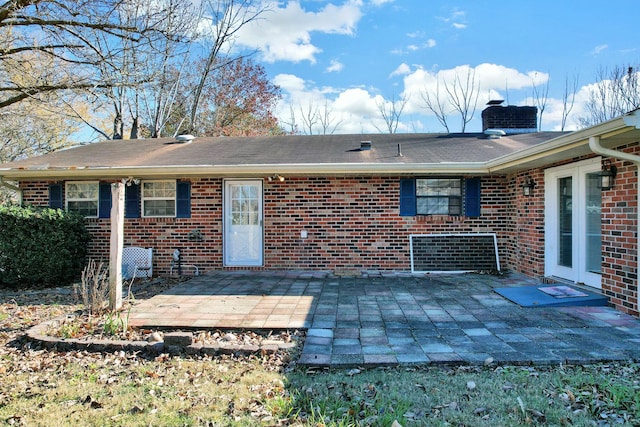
(12, 188)
(594, 145)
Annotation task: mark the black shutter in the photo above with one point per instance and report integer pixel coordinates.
(55, 196)
(472, 197)
(407, 197)
(183, 199)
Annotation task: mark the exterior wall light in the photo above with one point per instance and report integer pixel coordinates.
(130, 180)
(527, 187)
(607, 175)
(276, 178)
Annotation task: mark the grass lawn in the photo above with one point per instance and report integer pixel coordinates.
(49, 388)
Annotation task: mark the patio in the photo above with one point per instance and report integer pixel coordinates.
(387, 318)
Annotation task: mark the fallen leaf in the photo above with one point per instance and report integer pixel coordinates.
(479, 411)
(539, 416)
(521, 404)
(136, 410)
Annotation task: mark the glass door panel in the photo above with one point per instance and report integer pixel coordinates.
(593, 224)
(573, 224)
(565, 221)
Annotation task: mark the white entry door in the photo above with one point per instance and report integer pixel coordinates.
(573, 224)
(243, 244)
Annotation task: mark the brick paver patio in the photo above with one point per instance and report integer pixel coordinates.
(380, 318)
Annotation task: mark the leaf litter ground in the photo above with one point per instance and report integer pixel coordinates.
(42, 387)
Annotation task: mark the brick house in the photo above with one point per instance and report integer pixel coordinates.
(422, 202)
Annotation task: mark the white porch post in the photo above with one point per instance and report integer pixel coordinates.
(116, 245)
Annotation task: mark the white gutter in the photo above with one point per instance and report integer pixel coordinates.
(557, 145)
(594, 144)
(256, 169)
(12, 188)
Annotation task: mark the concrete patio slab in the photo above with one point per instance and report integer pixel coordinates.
(384, 318)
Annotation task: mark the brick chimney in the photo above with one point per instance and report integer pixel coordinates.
(510, 119)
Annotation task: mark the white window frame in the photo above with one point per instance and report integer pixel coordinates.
(145, 199)
(437, 196)
(70, 199)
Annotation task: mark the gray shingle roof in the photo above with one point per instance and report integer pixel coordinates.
(285, 150)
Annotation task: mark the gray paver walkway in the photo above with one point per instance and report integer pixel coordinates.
(381, 318)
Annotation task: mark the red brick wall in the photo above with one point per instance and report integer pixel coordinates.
(351, 222)
(527, 253)
(619, 233)
(354, 222)
(619, 237)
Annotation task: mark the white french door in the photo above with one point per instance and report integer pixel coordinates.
(243, 238)
(573, 224)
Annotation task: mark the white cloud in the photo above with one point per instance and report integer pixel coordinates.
(284, 33)
(289, 82)
(335, 66)
(430, 43)
(490, 79)
(380, 2)
(456, 19)
(402, 70)
(357, 101)
(358, 107)
(596, 50)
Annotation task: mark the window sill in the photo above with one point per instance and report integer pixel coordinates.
(439, 219)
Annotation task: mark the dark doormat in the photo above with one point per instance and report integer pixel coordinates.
(552, 296)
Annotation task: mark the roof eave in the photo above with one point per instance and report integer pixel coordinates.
(245, 170)
(614, 132)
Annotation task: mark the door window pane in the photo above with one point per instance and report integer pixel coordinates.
(593, 224)
(565, 215)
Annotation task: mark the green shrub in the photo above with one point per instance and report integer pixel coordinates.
(40, 246)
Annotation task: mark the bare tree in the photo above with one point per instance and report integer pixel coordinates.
(616, 92)
(310, 117)
(227, 18)
(568, 99)
(135, 67)
(327, 120)
(315, 119)
(463, 96)
(291, 121)
(391, 113)
(540, 97)
(436, 105)
(60, 29)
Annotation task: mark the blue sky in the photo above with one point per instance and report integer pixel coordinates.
(349, 57)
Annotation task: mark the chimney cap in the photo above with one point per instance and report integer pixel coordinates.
(495, 102)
